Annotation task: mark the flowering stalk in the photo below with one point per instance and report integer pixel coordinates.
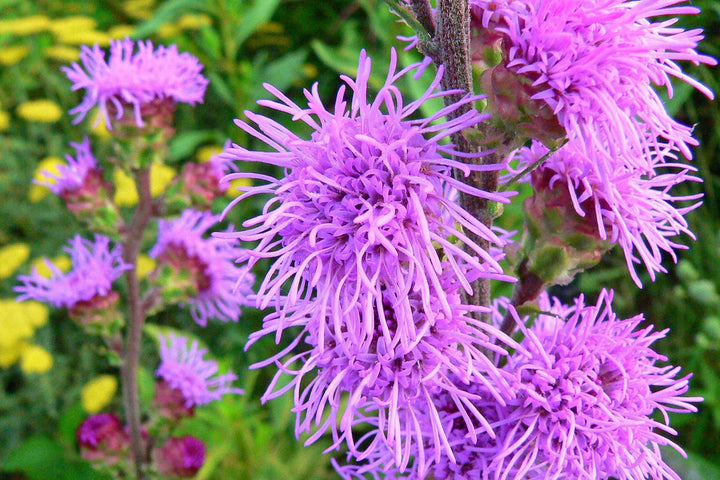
(131, 248)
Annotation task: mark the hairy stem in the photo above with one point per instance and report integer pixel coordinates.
(527, 289)
(424, 15)
(131, 354)
(453, 37)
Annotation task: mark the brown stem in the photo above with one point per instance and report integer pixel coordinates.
(424, 15)
(453, 36)
(131, 354)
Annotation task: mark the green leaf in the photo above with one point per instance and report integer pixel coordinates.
(184, 144)
(167, 12)
(260, 12)
(694, 467)
(69, 422)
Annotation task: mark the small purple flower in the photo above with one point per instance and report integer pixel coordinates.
(218, 287)
(134, 78)
(628, 207)
(184, 368)
(365, 203)
(594, 65)
(102, 437)
(72, 177)
(180, 457)
(95, 267)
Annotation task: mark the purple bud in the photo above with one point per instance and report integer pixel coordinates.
(180, 457)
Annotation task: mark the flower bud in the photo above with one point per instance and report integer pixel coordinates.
(180, 457)
(102, 438)
(170, 402)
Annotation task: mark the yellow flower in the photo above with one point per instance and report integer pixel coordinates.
(140, 9)
(13, 324)
(119, 32)
(45, 111)
(144, 266)
(78, 23)
(35, 359)
(36, 313)
(50, 165)
(63, 53)
(63, 263)
(233, 191)
(25, 25)
(97, 393)
(193, 21)
(11, 257)
(13, 54)
(9, 354)
(125, 193)
(83, 37)
(4, 120)
(205, 153)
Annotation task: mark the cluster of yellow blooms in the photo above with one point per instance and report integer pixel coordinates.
(18, 322)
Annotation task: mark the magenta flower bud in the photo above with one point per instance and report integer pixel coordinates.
(102, 438)
(180, 457)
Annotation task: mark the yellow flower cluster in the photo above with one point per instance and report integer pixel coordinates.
(11, 257)
(125, 192)
(46, 165)
(18, 322)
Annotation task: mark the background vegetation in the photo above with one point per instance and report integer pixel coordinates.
(290, 44)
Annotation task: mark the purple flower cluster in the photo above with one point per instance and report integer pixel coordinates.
(95, 267)
(134, 78)
(586, 383)
(220, 287)
(184, 368)
(371, 253)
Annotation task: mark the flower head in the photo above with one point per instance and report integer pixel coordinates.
(95, 267)
(214, 285)
(72, 176)
(101, 437)
(184, 368)
(180, 457)
(365, 203)
(134, 78)
(594, 65)
(628, 207)
(588, 384)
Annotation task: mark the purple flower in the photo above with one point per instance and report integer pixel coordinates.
(184, 368)
(588, 384)
(217, 287)
(95, 267)
(364, 205)
(134, 78)
(72, 177)
(381, 382)
(180, 457)
(594, 64)
(628, 207)
(102, 437)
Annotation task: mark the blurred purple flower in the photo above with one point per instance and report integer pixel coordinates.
(180, 457)
(134, 78)
(365, 202)
(594, 64)
(72, 176)
(627, 207)
(184, 368)
(102, 438)
(95, 267)
(220, 287)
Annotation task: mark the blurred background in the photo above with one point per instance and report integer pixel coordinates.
(53, 375)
